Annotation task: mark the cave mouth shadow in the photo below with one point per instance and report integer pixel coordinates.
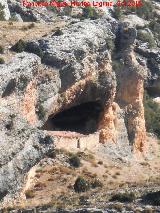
(82, 119)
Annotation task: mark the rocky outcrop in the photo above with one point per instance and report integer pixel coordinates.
(80, 56)
(21, 12)
(5, 9)
(21, 145)
(76, 79)
(135, 21)
(129, 95)
(152, 59)
(70, 54)
(31, 92)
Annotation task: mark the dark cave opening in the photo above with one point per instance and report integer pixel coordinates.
(82, 118)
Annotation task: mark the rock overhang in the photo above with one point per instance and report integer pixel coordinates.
(49, 91)
(81, 58)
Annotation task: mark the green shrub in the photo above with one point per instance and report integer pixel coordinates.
(30, 194)
(90, 12)
(96, 183)
(146, 37)
(22, 83)
(117, 12)
(83, 200)
(1, 50)
(124, 197)
(52, 8)
(67, 10)
(117, 65)
(155, 27)
(2, 61)
(2, 17)
(19, 46)
(30, 26)
(10, 88)
(47, 140)
(110, 44)
(24, 28)
(13, 17)
(41, 111)
(10, 125)
(81, 185)
(10, 23)
(52, 154)
(58, 32)
(152, 115)
(145, 11)
(75, 161)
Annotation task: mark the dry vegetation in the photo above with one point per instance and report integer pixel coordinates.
(57, 179)
(11, 32)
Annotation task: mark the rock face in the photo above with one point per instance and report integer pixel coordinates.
(76, 82)
(129, 95)
(6, 9)
(134, 20)
(152, 57)
(21, 146)
(21, 12)
(80, 56)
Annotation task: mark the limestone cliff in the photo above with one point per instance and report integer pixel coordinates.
(21, 145)
(72, 88)
(129, 94)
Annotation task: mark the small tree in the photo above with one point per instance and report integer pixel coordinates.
(81, 185)
(1, 50)
(124, 197)
(145, 11)
(152, 115)
(117, 12)
(19, 46)
(74, 161)
(2, 61)
(146, 37)
(90, 12)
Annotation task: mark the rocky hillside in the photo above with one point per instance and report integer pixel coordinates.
(77, 88)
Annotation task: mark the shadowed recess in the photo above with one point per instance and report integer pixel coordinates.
(82, 118)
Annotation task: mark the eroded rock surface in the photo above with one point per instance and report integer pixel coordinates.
(21, 145)
(76, 69)
(21, 12)
(5, 9)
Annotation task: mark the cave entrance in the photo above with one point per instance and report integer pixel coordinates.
(82, 118)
